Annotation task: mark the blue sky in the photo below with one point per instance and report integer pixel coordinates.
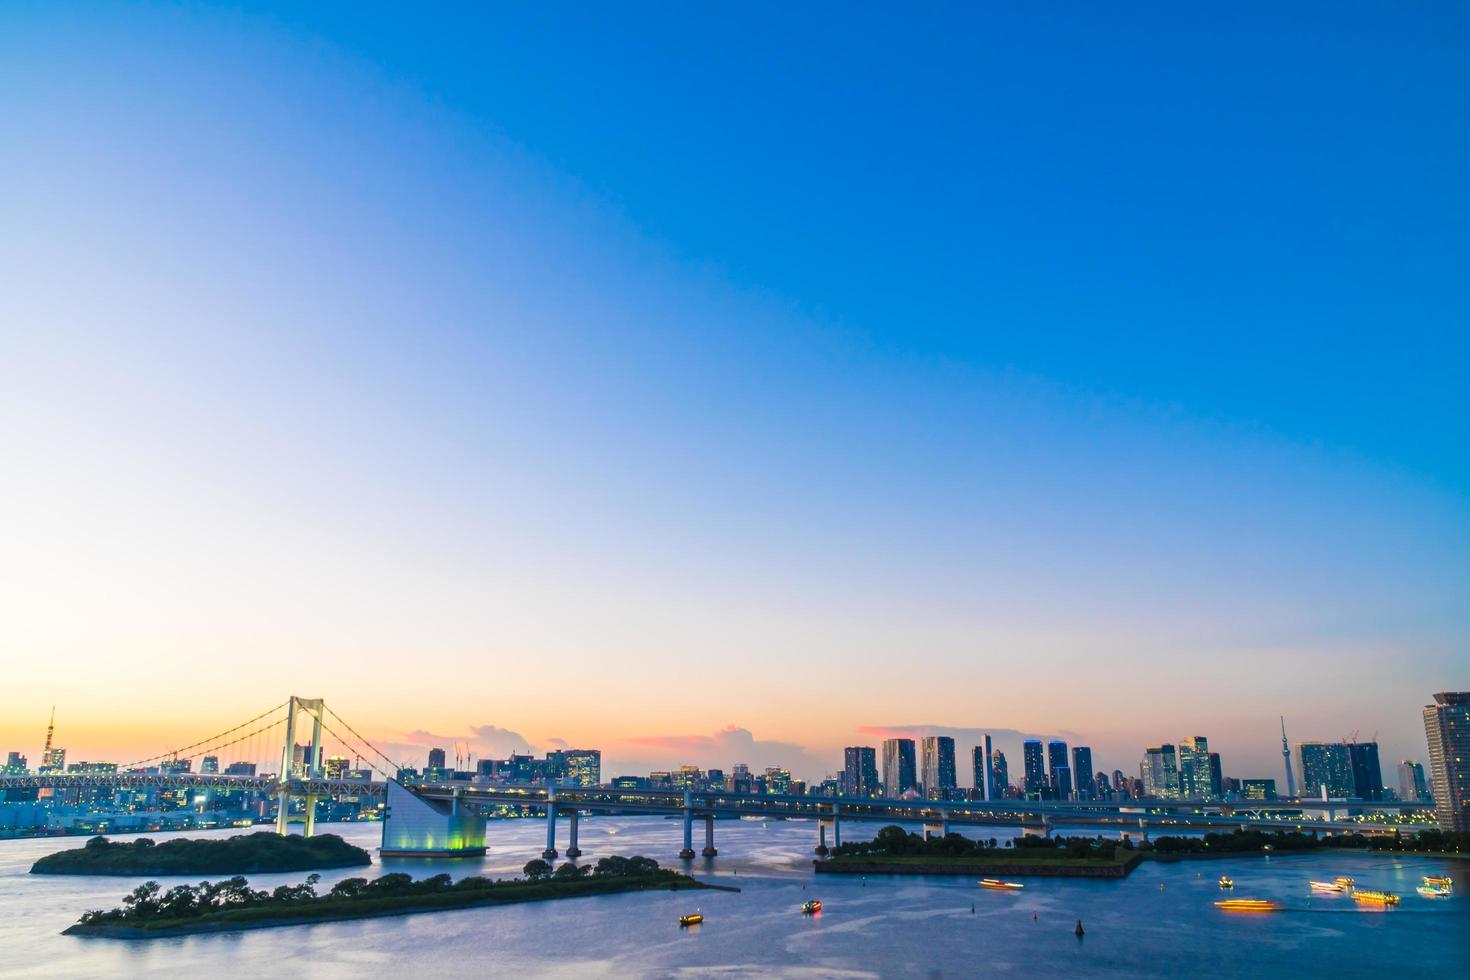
(959, 365)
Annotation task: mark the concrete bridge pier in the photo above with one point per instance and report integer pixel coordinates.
(835, 822)
(416, 827)
(688, 850)
(550, 853)
(573, 851)
(936, 828)
(709, 838)
(822, 837)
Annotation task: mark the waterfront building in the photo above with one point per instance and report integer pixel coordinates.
(1412, 788)
(1217, 777)
(1326, 769)
(1121, 785)
(1101, 788)
(335, 767)
(1034, 771)
(1000, 777)
(1258, 789)
(1194, 768)
(1159, 772)
(778, 781)
(714, 778)
(436, 759)
(630, 782)
(584, 766)
(16, 764)
(898, 767)
(938, 776)
(1367, 775)
(860, 771)
(1447, 729)
(1084, 782)
(209, 764)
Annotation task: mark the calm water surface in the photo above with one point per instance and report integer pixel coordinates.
(886, 927)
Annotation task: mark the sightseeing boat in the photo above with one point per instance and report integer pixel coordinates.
(692, 919)
(1439, 881)
(1248, 905)
(1376, 898)
(1226, 881)
(997, 883)
(1331, 887)
(812, 907)
(1344, 881)
(1430, 891)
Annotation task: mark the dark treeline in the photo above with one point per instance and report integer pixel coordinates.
(257, 853)
(150, 906)
(1292, 840)
(896, 842)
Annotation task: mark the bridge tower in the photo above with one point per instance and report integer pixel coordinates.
(314, 708)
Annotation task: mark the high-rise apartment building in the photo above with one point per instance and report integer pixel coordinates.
(1326, 769)
(436, 759)
(1159, 772)
(1083, 780)
(1194, 768)
(1059, 771)
(1367, 774)
(1000, 777)
(899, 767)
(1217, 777)
(938, 776)
(1447, 728)
(1033, 766)
(1412, 788)
(860, 771)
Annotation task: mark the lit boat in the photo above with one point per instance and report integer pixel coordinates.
(812, 907)
(1226, 881)
(1429, 891)
(693, 919)
(1248, 905)
(997, 883)
(1439, 881)
(1344, 881)
(1376, 898)
(1328, 886)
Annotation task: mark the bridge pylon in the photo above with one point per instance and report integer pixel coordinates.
(314, 708)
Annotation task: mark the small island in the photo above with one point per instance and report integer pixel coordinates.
(258, 853)
(894, 851)
(231, 905)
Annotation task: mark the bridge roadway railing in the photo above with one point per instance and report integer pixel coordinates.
(1182, 813)
(193, 780)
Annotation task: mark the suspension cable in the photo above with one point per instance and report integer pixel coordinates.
(175, 752)
(392, 778)
(382, 755)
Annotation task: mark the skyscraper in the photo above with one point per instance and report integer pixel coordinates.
(1367, 775)
(1326, 768)
(1412, 788)
(1000, 777)
(1060, 772)
(1034, 770)
(436, 759)
(1217, 776)
(860, 771)
(939, 767)
(986, 784)
(1447, 728)
(1160, 772)
(1082, 776)
(1194, 768)
(898, 766)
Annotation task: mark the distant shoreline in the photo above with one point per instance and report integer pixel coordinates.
(966, 866)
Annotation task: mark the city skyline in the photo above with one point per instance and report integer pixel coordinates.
(509, 388)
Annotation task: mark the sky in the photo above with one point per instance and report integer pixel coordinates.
(722, 385)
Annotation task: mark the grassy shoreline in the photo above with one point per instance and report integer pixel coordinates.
(340, 910)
